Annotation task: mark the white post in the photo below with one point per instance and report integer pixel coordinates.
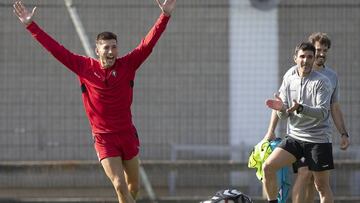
(79, 28)
(253, 75)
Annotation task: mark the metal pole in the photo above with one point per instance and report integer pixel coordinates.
(79, 28)
(147, 185)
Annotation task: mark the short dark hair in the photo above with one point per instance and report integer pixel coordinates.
(320, 37)
(305, 46)
(106, 36)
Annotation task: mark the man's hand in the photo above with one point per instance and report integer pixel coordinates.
(294, 107)
(167, 7)
(270, 136)
(22, 13)
(344, 142)
(276, 104)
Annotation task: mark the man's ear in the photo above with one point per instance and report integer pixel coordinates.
(295, 58)
(96, 51)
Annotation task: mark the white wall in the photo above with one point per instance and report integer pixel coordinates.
(253, 73)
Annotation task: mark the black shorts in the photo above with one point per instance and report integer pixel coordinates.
(298, 164)
(318, 156)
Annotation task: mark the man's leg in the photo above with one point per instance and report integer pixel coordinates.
(310, 191)
(303, 189)
(131, 169)
(277, 159)
(113, 167)
(322, 184)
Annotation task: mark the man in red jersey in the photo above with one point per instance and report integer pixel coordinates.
(107, 91)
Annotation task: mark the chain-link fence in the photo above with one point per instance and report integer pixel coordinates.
(184, 96)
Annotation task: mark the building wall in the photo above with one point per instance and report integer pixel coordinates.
(181, 91)
(340, 20)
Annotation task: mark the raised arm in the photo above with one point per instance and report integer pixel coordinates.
(144, 49)
(23, 14)
(167, 7)
(72, 61)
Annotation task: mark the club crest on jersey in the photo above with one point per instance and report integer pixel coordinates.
(114, 73)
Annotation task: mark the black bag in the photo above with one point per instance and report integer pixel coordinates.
(229, 196)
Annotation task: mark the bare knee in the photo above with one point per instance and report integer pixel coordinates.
(134, 189)
(321, 187)
(268, 169)
(306, 176)
(120, 186)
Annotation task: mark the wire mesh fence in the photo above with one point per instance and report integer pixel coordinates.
(182, 92)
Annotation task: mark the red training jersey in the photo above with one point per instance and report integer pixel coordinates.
(107, 93)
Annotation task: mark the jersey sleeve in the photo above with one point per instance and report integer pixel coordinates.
(322, 108)
(335, 94)
(136, 57)
(74, 62)
(283, 94)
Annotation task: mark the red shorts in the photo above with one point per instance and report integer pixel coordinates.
(124, 144)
